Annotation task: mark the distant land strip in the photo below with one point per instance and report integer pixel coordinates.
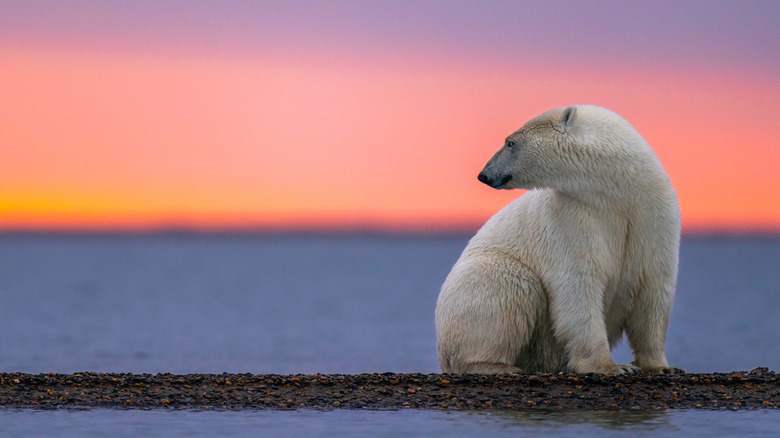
(759, 388)
(458, 231)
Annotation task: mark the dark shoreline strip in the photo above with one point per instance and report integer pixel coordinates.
(759, 388)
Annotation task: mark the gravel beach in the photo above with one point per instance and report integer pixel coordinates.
(759, 388)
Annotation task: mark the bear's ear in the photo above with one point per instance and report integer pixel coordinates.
(569, 117)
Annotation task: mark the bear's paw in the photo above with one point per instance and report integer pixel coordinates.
(663, 370)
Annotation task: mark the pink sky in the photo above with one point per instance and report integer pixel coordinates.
(362, 113)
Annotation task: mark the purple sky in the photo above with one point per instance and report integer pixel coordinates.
(707, 34)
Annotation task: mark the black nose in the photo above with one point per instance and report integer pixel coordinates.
(482, 178)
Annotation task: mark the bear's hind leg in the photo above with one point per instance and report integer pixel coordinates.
(487, 311)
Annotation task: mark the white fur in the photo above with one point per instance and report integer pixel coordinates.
(554, 279)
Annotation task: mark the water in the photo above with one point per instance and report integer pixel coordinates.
(328, 304)
(408, 423)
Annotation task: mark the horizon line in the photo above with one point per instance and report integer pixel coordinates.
(327, 230)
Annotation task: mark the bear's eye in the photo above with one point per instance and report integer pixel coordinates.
(509, 144)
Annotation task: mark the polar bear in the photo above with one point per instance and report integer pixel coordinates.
(554, 279)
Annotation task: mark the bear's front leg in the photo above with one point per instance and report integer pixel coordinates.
(647, 323)
(578, 321)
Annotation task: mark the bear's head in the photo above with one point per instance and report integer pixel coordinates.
(574, 149)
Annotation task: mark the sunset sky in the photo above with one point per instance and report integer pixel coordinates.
(221, 114)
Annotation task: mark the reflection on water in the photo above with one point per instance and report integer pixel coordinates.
(552, 419)
(407, 423)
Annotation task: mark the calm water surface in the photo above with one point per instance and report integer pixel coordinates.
(328, 304)
(407, 423)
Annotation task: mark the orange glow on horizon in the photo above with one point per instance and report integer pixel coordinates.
(101, 140)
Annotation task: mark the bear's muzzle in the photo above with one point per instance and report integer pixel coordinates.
(496, 183)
